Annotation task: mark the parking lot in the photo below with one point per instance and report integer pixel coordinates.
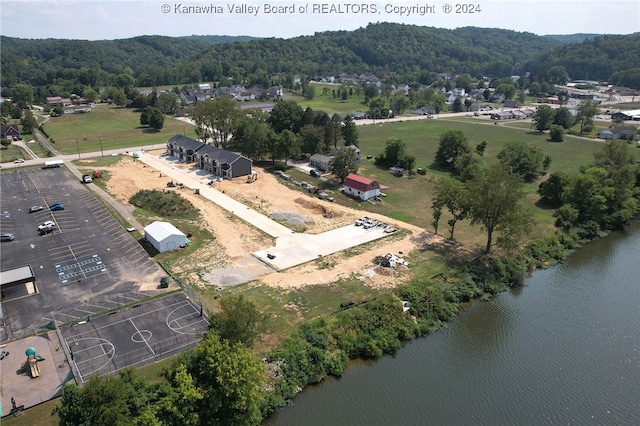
(87, 264)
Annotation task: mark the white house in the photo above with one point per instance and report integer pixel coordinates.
(164, 236)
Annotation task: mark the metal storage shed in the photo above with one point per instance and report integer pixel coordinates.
(164, 236)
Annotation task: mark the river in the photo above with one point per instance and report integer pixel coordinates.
(561, 349)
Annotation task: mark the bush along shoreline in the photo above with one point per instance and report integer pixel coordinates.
(322, 347)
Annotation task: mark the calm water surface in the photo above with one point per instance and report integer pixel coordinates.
(562, 349)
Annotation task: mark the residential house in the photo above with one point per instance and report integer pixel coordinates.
(620, 131)
(425, 110)
(361, 187)
(497, 98)
(11, 132)
(356, 150)
(518, 115)
(512, 104)
(320, 161)
(245, 95)
(223, 163)
(275, 93)
(183, 148)
(53, 100)
(479, 106)
(605, 134)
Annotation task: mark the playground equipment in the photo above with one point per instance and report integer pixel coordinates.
(32, 361)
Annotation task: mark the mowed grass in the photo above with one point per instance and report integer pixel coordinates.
(118, 128)
(326, 102)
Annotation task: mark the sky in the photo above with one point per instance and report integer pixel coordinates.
(116, 19)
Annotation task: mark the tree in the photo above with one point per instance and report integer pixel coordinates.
(5, 142)
(28, 121)
(551, 190)
(394, 152)
(379, 107)
(178, 400)
(22, 93)
(481, 147)
(349, 131)
(467, 103)
(452, 194)
(231, 378)
(556, 134)
(557, 75)
(543, 117)
(496, 203)
(144, 117)
(336, 129)
(285, 115)
(239, 321)
(453, 143)
(312, 138)
(89, 94)
(343, 163)
(507, 89)
(521, 159)
(457, 105)
(109, 400)
(585, 114)
(156, 118)
(563, 117)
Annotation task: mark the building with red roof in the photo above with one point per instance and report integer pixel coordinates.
(361, 187)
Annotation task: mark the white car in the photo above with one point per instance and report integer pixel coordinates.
(19, 160)
(47, 224)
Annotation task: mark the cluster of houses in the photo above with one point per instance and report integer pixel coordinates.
(239, 93)
(229, 165)
(70, 106)
(321, 161)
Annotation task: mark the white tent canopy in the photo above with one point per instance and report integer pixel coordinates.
(164, 236)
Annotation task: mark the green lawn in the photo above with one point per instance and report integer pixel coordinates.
(326, 102)
(118, 128)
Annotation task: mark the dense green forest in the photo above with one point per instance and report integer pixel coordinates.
(572, 38)
(407, 53)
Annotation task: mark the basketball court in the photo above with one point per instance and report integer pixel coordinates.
(134, 337)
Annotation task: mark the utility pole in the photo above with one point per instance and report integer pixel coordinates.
(101, 151)
(78, 148)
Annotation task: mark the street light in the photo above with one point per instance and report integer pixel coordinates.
(101, 152)
(78, 148)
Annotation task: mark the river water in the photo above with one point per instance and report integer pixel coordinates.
(562, 349)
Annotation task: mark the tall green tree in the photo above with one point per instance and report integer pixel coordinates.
(394, 152)
(343, 163)
(543, 118)
(563, 117)
(524, 160)
(551, 190)
(453, 195)
(586, 111)
(156, 118)
(336, 130)
(349, 131)
(28, 122)
(239, 320)
(453, 144)
(286, 115)
(496, 199)
(232, 380)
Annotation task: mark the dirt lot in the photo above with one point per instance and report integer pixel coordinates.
(236, 240)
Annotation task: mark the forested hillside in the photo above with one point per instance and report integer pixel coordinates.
(572, 38)
(595, 59)
(408, 52)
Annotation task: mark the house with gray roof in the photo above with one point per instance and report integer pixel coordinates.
(183, 148)
(223, 163)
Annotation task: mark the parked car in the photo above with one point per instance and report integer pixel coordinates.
(46, 230)
(34, 209)
(7, 237)
(47, 224)
(56, 208)
(86, 179)
(19, 160)
(314, 173)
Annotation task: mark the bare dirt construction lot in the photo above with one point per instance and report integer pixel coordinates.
(236, 239)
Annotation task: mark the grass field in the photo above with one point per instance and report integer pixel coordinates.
(326, 102)
(109, 126)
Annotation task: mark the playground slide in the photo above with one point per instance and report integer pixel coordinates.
(35, 371)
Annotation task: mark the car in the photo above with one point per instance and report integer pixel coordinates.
(56, 207)
(314, 173)
(86, 179)
(34, 209)
(19, 160)
(47, 224)
(47, 230)
(4, 354)
(7, 237)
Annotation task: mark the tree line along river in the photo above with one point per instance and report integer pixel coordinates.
(562, 349)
